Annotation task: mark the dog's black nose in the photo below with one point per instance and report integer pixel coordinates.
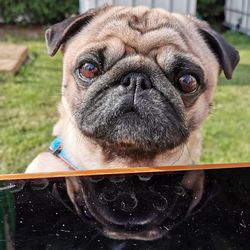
(136, 81)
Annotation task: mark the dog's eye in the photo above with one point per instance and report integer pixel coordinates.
(188, 83)
(89, 70)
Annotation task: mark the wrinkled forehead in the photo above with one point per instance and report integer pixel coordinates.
(140, 29)
(143, 29)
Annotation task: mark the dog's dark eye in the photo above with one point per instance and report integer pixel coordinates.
(89, 70)
(188, 83)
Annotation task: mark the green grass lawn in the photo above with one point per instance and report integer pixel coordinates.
(28, 109)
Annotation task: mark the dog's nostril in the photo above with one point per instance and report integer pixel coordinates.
(155, 199)
(160, 203)
(117, 179)
(107, 196)
(145, 177)
(139, 80)
(179, 190)
(126, 83)
(96, 179)
(145, 84)
(128, 202)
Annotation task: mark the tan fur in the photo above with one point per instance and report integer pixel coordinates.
(158, 35)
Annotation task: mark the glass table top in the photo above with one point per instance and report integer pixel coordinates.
(196, 209)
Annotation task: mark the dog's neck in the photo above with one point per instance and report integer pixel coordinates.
(87, 154)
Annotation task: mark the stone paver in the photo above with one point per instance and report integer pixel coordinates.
(12, 57)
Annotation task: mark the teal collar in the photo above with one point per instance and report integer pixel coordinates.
(57, 150)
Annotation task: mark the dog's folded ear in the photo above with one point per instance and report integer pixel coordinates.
(227, 55)
(60, 32)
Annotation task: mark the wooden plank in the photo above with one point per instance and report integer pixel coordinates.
(115, 171)
(12, 57)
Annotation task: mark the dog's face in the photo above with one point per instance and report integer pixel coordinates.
(138, 81)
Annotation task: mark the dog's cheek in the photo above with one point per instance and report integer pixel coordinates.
(71, 94)
(197, 113)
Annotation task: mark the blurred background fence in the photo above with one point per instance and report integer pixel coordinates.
(180, 6)
(234, 14)
(237, 15)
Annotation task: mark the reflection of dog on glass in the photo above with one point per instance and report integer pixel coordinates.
(137, 85)
(142, 207)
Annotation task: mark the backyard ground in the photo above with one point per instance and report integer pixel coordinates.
(28, 107)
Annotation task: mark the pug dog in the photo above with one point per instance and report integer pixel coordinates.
(137, 85)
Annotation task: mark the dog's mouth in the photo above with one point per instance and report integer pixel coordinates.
(141, 207)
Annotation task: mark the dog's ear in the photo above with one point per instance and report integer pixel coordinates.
(59, 33)
(227, 55)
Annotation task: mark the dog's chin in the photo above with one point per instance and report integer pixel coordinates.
(136, 136)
